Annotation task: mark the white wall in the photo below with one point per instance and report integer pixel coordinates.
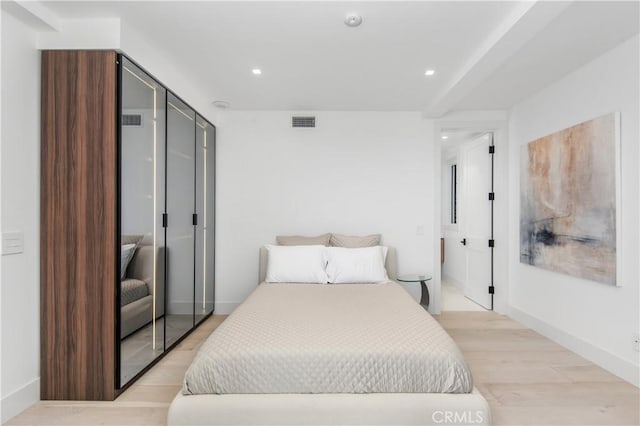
(454, 266)
(595, 320)
(1, 95)
(355, 173)
(20, 212)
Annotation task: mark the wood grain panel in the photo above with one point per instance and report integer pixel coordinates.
(79, 243)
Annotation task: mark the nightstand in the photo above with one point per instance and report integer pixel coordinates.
(418, 278)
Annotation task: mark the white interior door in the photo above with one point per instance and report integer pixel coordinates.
(477, 220)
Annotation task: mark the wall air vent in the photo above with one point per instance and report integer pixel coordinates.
(298, 121)
(132, 120)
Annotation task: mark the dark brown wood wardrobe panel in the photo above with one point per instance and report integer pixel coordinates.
(78, 225)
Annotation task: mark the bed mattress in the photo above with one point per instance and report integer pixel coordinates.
(357, 338)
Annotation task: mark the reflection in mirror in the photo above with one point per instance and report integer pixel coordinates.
(180, 209)
(142, 235)
(204, 278)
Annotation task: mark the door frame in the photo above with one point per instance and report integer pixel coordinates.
(478, 142)
(499, 127)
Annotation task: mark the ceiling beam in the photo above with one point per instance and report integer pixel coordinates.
(527, 20)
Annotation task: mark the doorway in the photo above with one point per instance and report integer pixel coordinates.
(467, 219)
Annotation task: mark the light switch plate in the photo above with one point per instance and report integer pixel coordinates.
(12, 243)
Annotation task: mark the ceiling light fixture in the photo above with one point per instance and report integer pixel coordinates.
(256, 71)
(221, 104)
(429, 73)
(353, 20)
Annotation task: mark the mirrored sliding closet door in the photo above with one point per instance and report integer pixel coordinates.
(205, 188)
(142, 203)
(181, 132)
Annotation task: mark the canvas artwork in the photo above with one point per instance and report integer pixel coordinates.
(568, 186)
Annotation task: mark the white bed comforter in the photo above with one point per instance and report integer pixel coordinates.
(354, 338)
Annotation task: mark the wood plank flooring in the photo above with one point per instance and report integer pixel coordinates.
(530, 380)
(527, 379)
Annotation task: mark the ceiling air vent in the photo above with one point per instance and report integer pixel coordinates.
(298, 121)
(132, 120)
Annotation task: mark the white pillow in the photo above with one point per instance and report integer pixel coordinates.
(296, 264)
(356, 265)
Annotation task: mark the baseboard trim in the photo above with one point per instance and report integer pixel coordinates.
(20, 399)
(605, 359)
(225, 308)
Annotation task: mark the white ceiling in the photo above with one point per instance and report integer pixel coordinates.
(459, 136)
(487, 55)
(582, 32)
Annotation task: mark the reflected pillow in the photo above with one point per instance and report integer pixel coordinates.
(131, 239)
(126, 254)
(356, 265)
(296, 264)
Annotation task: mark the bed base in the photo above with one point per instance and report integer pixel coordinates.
(330, 409)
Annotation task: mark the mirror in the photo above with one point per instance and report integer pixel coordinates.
(181, 152)
(142, 199)
(205, 191)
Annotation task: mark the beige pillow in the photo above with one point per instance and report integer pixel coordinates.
(298, 240)
(131, 239)
(348, 241)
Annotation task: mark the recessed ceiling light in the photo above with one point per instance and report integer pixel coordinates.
(444, 137)
(429, 73)
(256, 71)
(353, 20)
(221, 104)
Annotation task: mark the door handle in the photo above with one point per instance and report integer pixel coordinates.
(464, 241)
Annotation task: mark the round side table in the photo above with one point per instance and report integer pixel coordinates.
(418, 278)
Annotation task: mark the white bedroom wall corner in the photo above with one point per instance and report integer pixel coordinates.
(20, 212)
(601, 318)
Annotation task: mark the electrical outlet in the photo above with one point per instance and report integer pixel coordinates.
(636, 341)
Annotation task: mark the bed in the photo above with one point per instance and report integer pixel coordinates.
(356, 354)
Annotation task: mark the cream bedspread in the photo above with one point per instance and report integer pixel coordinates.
(313, 338)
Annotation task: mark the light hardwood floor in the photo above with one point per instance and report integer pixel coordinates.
(527, 379)
(530, 380)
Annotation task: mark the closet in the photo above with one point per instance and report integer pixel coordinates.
(127, 223)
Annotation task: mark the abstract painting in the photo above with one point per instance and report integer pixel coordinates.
(568, 196)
